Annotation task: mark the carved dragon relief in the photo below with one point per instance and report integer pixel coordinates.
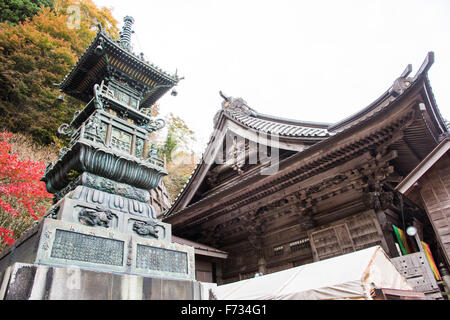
(378, 200)
(147, 228)
(152, 125)
(100, 217)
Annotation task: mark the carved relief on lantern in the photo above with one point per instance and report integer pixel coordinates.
(95, 130)
(140, 147)
(121, 140)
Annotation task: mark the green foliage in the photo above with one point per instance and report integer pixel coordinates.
(181, 160)
(179, 169)
(169, 146)
(15, 11)
(178, 137)
(36, 54)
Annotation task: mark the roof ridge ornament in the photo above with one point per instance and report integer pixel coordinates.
(402, 83)
(100, 26)
(237, 105)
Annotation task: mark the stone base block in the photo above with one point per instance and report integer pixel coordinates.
(125, 213)
(57, 243)
(34, 282)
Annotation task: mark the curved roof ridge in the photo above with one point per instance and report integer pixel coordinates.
(402, 84)
(278, 128)
(238, 109)
(293, 122)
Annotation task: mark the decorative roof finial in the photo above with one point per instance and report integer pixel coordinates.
(236, 105)
(224, 96)
(125, 34)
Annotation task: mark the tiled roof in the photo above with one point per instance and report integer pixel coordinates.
(90, 63)
(277, 128)
(200, 248)
(237, 109)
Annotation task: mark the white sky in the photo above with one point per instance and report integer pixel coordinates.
(307, 60)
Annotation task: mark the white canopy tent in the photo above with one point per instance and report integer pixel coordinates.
(350, 276)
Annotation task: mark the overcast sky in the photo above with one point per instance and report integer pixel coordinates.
(306, 60)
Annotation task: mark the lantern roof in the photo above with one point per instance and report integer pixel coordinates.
(107, 59)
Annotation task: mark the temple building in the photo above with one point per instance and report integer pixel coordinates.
(278, 193)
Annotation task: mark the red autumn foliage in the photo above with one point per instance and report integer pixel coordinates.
(23, 198)
(6, 236)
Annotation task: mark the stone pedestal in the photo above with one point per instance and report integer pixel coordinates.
(34, 282)
(67, 260)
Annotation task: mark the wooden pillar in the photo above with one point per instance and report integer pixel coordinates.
(219, 272)
(262, 263)
(388, 237)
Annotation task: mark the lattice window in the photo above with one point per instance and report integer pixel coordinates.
(278, 251)
(299, 245)
(133, 103)
(122, 97)
(121, 140)
(347, 235)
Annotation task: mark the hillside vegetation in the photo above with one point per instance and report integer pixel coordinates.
(36, 54)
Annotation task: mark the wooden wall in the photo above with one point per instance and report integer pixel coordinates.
(435, 193)
(347, 235)
(203, 269)
(295, 248)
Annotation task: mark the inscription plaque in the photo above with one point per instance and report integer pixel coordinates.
(158, 259)
(87, 248)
